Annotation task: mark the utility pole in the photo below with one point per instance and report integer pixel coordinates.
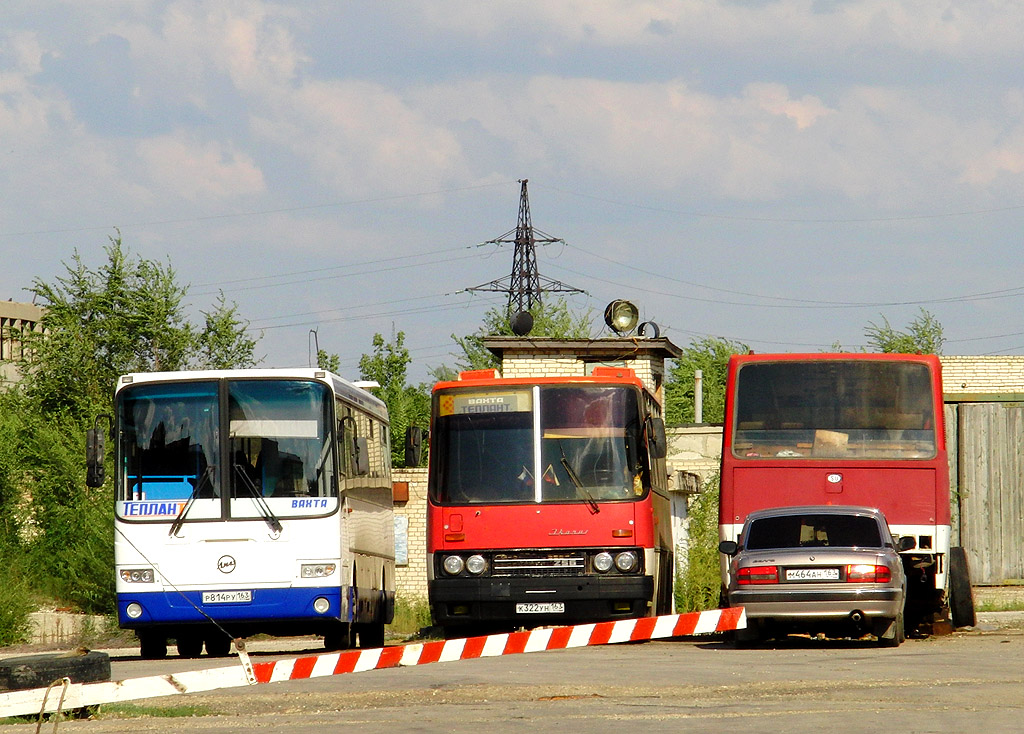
(525, 284)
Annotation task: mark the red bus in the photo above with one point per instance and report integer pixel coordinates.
(547, 502)
(845, 429)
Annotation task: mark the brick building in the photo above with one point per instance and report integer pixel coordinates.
(16, 319)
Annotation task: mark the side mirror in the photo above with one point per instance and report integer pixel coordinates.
(728, 547)
(95, 473)
(361, 456)
(905, 543)
(414, 446)
(656, 438)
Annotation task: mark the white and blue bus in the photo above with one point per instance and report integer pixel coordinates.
(250, 501)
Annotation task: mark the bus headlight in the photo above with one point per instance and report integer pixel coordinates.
(476, 564)
(321, 605)
(137, 575)
(453, 565)
(603, 562)
(626, 561)
(317, 570)
(133, 610)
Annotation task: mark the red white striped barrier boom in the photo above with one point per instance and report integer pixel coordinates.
(80, 695)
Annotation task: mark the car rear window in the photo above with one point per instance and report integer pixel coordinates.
(813, 531)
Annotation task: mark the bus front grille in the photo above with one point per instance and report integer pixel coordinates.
(539, 563)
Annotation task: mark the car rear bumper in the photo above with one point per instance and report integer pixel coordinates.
(818, 604)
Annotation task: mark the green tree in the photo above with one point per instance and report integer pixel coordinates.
(124, 316)
(922, 336)
(407, 405)
(224, 342)
(711, 356)
(551, 319)
(328, 361)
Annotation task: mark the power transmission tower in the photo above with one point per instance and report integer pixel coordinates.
(525, 284)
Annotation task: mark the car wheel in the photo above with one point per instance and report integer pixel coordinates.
(747, 637)
(961, 596)
(890, 632)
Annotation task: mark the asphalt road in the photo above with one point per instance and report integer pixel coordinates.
(968, 681)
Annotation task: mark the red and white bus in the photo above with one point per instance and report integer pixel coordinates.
(845, 429)
(547, 502)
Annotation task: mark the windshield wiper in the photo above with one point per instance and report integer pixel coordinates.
(204, 478)
(574, 478)
(261, 503)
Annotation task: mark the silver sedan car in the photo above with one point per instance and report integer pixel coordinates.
(821, 568)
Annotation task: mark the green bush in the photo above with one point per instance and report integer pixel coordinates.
(411, 616)
(698, 582)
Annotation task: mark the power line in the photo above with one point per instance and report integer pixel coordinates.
(792, 220)
(255, 212)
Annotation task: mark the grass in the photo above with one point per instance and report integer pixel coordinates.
(411, 617)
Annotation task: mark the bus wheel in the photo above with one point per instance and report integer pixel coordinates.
(190, 646)
(961, 597)
(218, 644)
(370, 634)
(341, 638)
(152, 646)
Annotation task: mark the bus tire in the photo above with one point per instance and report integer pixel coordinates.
(39, 671)
(341, 638)
(370, 634)
(961, 596)
(218, 644)
(152, 646)
(190, 646)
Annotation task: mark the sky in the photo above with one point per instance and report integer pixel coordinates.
(778, 173)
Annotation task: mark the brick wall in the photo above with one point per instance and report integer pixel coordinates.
(411, 579)
(974, 375)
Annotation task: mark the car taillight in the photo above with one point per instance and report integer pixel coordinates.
(757, 575)
(868, 572)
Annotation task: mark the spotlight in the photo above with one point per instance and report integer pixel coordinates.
(621, 317)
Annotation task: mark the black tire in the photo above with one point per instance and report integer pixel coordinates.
(370, 634)
(747, 637)
(896, 626)
(39, 671)
(961, 596)
(190, 646)
(341, 638)
(218, 644)
(152, 646)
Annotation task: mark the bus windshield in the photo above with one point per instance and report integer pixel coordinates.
(857, 409)
(278, 445)
(490, 445)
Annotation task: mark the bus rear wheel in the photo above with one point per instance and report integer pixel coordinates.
(961, 596)
(190, 646)
(218, 644)
(370, 634)
(152, 646)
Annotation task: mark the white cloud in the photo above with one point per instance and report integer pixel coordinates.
(198, 171)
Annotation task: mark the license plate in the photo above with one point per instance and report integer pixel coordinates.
(554, 607)
(812, 574)
(226, 597)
